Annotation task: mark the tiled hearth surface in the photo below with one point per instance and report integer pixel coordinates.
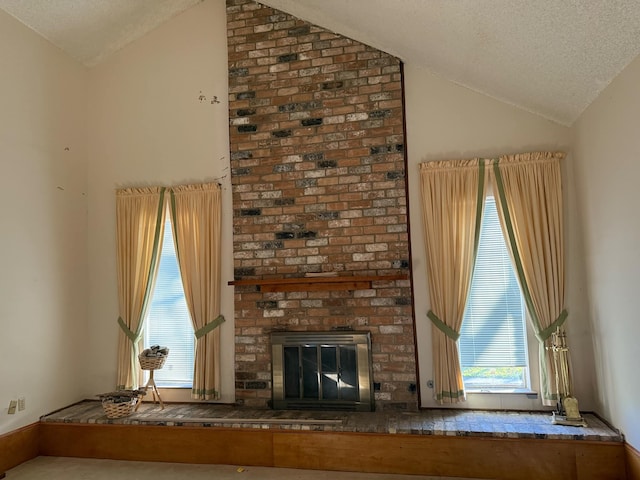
(505, 424)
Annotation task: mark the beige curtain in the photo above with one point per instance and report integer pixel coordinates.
(196, 211)
(529, 190)
(139, 228)
(453, 198)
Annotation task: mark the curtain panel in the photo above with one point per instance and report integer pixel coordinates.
(528, 188)
(452, 199)
(196, 216)
(139, 229)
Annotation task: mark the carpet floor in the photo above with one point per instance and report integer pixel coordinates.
(58, 468)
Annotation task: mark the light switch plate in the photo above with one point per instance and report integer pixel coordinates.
(12, 406)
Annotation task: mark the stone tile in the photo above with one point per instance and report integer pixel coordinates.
(498, 424)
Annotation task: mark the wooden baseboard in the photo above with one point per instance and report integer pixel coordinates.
(18, 446)
(632, 457)
(516, 459)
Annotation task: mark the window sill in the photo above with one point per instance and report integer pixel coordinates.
(171, 395)
(502, 391)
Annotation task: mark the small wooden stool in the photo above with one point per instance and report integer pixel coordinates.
(152, 363)
(154, 391)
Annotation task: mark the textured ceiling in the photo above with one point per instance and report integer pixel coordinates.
(550, 57)
(91, 30)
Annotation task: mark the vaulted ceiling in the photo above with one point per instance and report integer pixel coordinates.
(91, 30)
(550, 57)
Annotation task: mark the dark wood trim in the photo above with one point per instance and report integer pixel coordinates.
(308, 284)
(19, 446)
(409, 244)
(632, 457)
(510, 459)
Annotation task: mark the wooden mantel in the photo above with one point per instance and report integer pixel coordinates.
(314, 284)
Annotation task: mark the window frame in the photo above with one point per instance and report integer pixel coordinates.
(531, 373)
(166, 389)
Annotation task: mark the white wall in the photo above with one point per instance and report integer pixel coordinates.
(43, 252)
(446, 121)
(607, 149)
(147, 126)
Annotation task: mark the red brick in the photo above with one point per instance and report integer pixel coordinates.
(321, 197)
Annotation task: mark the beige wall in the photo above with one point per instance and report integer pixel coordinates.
(43, 250)
(446, 121)
(147, 126)
(607, 149)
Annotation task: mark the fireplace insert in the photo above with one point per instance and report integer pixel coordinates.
(322, 370)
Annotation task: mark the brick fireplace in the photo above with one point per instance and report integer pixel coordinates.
(318, 175)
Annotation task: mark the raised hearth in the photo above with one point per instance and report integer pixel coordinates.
(458, 443)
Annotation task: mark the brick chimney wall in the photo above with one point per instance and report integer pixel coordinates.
(318, 175)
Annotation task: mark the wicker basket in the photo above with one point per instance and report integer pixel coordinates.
(120, 403)
(152, 363)
(119, 409)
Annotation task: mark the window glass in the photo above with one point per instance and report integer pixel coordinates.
(493, 343)
(168, 323)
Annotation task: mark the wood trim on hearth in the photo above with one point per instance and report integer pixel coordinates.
(19, 446)
(479, 457)
(632, 457)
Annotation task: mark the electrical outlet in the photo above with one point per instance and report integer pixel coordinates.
(12, 407)
(21, 403)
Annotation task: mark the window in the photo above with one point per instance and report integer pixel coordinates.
(168, 322)
(493, 342)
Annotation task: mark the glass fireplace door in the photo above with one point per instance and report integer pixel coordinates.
(321, 372)
(329, 375)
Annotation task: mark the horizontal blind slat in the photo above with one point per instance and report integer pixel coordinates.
(493, 330)
(168, 322)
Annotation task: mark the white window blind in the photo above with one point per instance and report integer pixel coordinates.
(168, 323)
(492, 344)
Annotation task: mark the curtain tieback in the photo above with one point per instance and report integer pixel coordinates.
(443, 327)
(201, 332)
(543, 335)
(127, 331)
(134, 345)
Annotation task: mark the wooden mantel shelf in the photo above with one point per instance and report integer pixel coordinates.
(314, 284)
